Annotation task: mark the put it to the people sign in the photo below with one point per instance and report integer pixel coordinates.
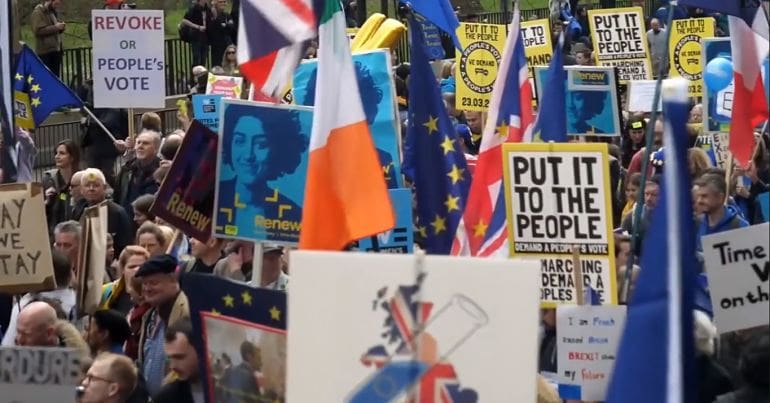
(128, 60)
(558, 198)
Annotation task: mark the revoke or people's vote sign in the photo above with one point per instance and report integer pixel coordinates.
(620, 41)
(557, 197)
(738, 267)
(128, 59)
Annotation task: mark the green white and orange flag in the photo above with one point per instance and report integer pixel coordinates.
(345, 194)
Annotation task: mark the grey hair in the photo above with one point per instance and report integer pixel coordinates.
(68, 227)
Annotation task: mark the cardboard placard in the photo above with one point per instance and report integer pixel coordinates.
(619, 41)
(587, 343)
(186, 196)
(738, 267)
(477, 67)
(458, 310)
(684, 51)
(128, 58)
(92, 258)
(25, 250)
(39, 374)
(558, 196)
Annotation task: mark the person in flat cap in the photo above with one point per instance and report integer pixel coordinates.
(160, 289)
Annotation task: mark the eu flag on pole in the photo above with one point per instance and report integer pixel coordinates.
(440, 13)
(552, 120)
(433, 157)
(658, 335)
(37, 91)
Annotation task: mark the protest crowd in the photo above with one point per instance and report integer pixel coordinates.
(158, 255)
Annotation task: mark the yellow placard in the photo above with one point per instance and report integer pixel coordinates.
(558, 196)
(684, 51)
(538, 48)
(476, 69)
(620, 41)
(23, 110)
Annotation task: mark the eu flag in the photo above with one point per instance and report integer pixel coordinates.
(552, 119)
(37, 91)
(433, 155)
(440, 13)
(658, 335)
(243, 325)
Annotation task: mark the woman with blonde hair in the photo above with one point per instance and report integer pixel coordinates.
(697, 161)
(117, 294)
(230, 61)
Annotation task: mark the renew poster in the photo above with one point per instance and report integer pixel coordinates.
(592, 100)
(261, 171)
(558, 198)
(378, 97)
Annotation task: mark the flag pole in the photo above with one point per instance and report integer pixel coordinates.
(99, 122)
(647, 152)
(577, 273)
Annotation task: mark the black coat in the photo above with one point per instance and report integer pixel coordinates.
(175, 392)
(713, 380)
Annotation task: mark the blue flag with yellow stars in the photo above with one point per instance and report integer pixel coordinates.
(37, 91)
(433, 156)
(242, 331)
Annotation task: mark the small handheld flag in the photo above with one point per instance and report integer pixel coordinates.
(38, 92)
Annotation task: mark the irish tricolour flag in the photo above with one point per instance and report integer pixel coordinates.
(345, 194)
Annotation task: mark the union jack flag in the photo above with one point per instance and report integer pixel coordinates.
(440, 385)
(483, 230)
(404, 310)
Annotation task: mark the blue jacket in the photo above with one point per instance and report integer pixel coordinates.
(731, 220)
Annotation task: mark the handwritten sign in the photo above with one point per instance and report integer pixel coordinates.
(186, 197)
(558, 196)
(640, 96)
(720, 143)
(738, 267)
(25, 252)
(620, 42)
(39, 374)
(587, 342)
(128, 59)
(93, 253)
(476, 70)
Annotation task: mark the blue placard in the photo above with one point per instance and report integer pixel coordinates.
(375, 83)
(401, 238)
(717, 105)
(206, 110)
(591, 103)
(261, 171)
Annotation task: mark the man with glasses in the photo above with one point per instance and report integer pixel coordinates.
(111, 379)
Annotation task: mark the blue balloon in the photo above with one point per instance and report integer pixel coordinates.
(718, 74)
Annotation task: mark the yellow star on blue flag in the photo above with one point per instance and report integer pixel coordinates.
(433, 159)
(38, 92)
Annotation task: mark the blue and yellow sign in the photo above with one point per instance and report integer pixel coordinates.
(206, 110)
(261, 171)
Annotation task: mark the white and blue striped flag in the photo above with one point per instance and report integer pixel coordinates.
(655, 360)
